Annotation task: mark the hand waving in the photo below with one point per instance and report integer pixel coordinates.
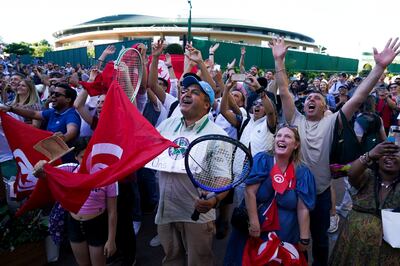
(279, 48)
(213, 48)
(157, 48)
(168, 60)
(108, 51)
(231, 64)
(193, 54)
(388, 54)
(243, 51)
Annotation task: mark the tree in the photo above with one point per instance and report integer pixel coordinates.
(174, 48)
(21, 48)
(40, 48)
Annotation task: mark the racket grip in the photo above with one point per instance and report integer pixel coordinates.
(195, 215)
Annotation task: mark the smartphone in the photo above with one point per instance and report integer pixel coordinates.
(394, 135)
(217, 67)
(238, 77)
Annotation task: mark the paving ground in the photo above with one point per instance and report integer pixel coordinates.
(147, 255)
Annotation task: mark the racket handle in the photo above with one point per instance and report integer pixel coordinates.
(195, 215)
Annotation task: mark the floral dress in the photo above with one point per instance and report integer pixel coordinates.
(360, 241)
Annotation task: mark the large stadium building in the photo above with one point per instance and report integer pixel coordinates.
(130, 27)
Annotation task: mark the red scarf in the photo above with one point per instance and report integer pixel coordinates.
(282, 181)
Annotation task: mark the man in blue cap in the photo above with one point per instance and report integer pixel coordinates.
(179, 235)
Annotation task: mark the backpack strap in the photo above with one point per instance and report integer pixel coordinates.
(243, 125)
(172, 108)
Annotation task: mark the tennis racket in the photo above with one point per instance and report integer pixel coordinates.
(129, 71)
(215, 164)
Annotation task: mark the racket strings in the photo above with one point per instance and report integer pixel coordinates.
(213, 165)
(128, 72)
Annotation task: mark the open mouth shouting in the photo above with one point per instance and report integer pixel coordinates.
(280, 146)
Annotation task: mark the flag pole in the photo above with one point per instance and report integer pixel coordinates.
(190, 22)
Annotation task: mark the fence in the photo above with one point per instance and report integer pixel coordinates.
(260, 56)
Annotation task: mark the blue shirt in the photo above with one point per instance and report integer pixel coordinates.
(287, 205)
(57, 122)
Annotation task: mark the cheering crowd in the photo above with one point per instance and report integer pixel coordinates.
(289, 124)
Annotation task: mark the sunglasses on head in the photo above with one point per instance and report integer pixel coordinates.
(282, 125)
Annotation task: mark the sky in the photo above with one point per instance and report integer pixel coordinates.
(345, 27)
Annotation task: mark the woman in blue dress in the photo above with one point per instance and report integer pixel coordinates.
(283, 177)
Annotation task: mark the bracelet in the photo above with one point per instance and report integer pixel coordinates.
(169, 66)
(211, 54)
(280, 70)
(100, 60)
(229, 69)
(365, 160)
(304, 241)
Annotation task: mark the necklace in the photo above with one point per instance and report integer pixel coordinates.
(386, 186)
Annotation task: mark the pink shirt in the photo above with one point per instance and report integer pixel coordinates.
(97, 200)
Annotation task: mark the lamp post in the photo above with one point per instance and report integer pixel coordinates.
(190, 21)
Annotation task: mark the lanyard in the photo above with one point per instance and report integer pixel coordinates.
(201, 127)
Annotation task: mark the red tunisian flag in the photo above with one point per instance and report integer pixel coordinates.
(21, 138)
(177, 61)
(123, 142)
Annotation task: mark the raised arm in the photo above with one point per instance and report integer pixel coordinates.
(195, 55)
(142, 48)
(226, 102)
(80, 101)
(211, 53)
(266, 101)
(168, 63)
(241, 62)
(279, 50)
(382, 60)
(108, 51)
(157, 49)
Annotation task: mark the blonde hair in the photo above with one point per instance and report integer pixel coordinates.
(295, 156)
(33, 95)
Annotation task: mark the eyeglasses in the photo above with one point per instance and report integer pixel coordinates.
(56, 94)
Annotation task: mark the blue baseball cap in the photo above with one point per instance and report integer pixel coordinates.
(205, 87)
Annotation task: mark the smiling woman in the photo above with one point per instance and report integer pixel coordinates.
(360, 242)
(280, 192)
(27, 98)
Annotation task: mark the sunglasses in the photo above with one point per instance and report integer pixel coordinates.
(56, 94)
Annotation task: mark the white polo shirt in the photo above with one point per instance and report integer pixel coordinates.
(177, 193)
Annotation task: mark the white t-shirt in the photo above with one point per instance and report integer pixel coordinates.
(225, 125)
(164, 107)
(316, 140)
(257, 135)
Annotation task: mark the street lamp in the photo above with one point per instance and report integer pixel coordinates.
(190, 21)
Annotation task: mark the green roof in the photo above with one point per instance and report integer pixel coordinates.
(135, 20)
